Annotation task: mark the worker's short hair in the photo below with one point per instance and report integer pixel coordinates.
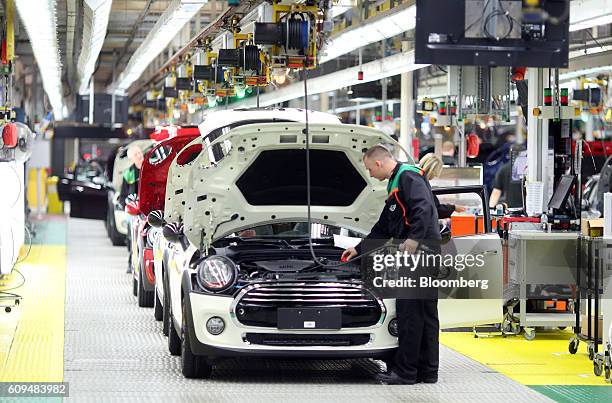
(378, 152)
(431, 164)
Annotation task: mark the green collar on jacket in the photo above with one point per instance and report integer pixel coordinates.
(392, 186)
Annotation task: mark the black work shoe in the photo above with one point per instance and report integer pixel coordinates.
(392, 378)
(427, 379)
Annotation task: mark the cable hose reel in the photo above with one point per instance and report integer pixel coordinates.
(251, 58)
(291, 34)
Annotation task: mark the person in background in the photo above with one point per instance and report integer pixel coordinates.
(129, 187)
(432, 165)
(506, 190)
(448, 153)
(132, 174)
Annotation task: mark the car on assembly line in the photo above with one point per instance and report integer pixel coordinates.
(116, 218)
(151, 196)
(240, 277)
(215, 125)
(86, 189)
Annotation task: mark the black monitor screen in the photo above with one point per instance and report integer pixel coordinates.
(562, 192)
(492, 33)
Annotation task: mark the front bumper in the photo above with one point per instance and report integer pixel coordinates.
(232, 341)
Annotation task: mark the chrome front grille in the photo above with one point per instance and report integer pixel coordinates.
(256, 305)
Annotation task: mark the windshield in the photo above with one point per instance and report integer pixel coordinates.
(294, 230)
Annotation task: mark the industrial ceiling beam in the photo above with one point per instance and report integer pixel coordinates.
(211, 30)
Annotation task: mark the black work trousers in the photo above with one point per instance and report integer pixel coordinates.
(418, 351)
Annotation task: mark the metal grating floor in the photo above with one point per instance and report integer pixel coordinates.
(115, 351)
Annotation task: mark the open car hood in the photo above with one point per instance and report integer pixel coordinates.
(217, 119)
(154, 172)
(255, 174)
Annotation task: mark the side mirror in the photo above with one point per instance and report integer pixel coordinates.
(156, 219)
(132, 208)
(173, 232)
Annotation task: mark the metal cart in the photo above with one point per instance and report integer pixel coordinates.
(602, 361)
(589, 291)
(537, 258)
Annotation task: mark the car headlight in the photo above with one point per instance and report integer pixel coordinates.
(216, 273)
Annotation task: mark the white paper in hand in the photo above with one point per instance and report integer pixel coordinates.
(345, 242)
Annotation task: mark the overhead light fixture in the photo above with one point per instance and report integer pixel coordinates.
(178, 13)
(95, 23)
(589, 51)
(360, 106)
(40, 23)
(380, 28)
(589, 13)
(375, 70)
(342, 6)
(584, 72)
(601, 20)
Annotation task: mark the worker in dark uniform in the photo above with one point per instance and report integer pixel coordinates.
(409, 216)
(129, 187)
(131, 175)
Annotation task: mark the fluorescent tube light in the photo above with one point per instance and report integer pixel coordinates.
(95, 23)
(178, 13)
(584, 72)
(342, 6)
(40, 22)
(376, 30)
(589, 13)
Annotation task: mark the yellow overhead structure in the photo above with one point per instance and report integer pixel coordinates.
(293, 35)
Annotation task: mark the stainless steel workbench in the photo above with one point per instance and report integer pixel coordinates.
(538, 258)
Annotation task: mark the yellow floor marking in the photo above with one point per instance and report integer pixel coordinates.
(543, 361)
(32, 336)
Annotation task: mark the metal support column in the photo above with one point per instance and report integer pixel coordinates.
(406, 110)
(455, 88)
(537, 132)
(113, 96)
(91, 100)
(324, 97)
(535, 77)
(383, 83)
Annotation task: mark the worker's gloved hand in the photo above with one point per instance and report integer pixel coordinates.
(409, 246)
(348, 254)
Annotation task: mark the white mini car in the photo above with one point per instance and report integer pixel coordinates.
(239, 275)
(215, 125)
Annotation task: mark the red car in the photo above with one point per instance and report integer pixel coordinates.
(151, 196)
